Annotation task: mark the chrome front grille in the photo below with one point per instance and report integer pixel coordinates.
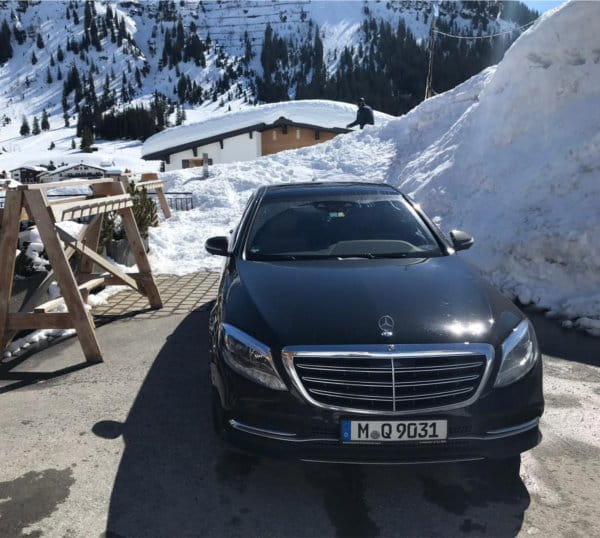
(390, 379)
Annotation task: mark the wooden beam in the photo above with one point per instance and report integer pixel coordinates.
(99, 260)
(90, 207)
(37, 295)
(91, 240)
(84, 289)
(148, 285)
(9, 237)
(66, 183)
(46, 320)
(162, 199)
(149, 185)
(82, 320)
(139, 252)
(67, 200)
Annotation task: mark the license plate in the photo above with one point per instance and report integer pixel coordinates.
(394, 430)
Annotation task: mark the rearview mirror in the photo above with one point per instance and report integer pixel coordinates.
(217, 245)
(461, 240)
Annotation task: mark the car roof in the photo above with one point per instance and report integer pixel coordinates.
(329, 188)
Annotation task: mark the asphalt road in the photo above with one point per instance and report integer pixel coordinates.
(125, 448)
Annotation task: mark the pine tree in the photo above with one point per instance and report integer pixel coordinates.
(35, 130)
(52, 145)
(33, 58)
(73, 145)
(87, 139)
(25, 130)
(45, 121)
(60, 55)
(49, 78)
(39, 41)
(6, 50)
(52, 62)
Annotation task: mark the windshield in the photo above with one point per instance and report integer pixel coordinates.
(369, 226)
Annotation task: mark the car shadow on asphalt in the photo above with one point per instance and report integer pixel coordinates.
(175, 478)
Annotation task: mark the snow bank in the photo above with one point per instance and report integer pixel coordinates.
(310, 111)
(511, 156)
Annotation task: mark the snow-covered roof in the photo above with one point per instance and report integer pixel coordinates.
(66, 167)
(317, 112)
(32, 168)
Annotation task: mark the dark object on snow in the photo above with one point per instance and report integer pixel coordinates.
(364, 115)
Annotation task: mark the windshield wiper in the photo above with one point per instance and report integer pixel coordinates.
(414, 254)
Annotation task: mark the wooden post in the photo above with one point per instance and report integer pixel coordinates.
(90, 240)
(9, 236)
(82, 319)
(205, 165)
(162, 199)
(145, 278)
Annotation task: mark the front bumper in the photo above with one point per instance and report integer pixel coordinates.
(502, 423)
(493, 445)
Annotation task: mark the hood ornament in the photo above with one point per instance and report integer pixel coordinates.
(386, 324)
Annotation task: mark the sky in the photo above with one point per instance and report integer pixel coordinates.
(543, 5)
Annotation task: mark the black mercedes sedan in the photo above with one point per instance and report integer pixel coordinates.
(348, 329)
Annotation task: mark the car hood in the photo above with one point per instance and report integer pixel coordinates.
(336, 302)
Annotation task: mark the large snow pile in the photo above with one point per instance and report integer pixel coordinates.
(512, 156)
(309, 111)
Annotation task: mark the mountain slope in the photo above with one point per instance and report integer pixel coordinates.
(210, 52)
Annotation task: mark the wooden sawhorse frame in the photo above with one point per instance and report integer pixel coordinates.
(150, 181)
(107, 195)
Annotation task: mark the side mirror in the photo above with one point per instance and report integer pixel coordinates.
(217, 245)
(461, 240)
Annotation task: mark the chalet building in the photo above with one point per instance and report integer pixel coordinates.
(27, 174)
(81, 170)
(251, 133)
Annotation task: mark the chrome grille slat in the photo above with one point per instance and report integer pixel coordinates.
(382, 369)
(388, 383)
(390, 379)
(443, 394)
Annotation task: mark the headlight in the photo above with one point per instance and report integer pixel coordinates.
(519, 354)
(250, 358)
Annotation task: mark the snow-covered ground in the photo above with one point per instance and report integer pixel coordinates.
(511, 156)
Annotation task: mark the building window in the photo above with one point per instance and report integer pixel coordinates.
(274, 134)
(284, 129)
(297, 134)
(317, 135)
(251, 134)
(185, 163)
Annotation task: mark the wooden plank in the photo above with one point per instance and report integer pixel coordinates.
(53, 320)
(84, 289)
(149, 185)
(67, 200)
(65, 183)
(99, 260)
(9, 237)
(82, 320)
(163, 202)
(91, 239)
(90, 207)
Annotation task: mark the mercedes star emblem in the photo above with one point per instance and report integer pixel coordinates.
(386, 324)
